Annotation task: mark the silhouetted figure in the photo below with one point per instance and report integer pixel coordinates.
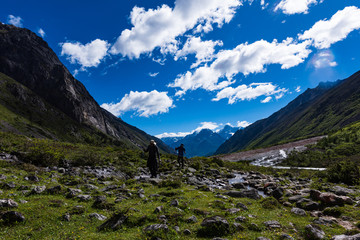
(152, 162)
(181, 152)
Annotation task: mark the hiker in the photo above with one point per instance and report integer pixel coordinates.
(181, 151)
(152, 163)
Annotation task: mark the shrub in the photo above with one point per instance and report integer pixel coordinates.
(345, 171)
(269, 203)
(42, 156)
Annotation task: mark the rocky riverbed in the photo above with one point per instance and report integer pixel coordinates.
(271, 156)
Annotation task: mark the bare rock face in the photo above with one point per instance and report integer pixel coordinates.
(29, 60)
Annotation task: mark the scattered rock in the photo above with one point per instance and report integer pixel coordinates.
(174, 203)
(97, 216)
(330, 198)
(191, 219)
(342, 191)
(66, 217)
(84, 198)
(314, 232)
(8, 203)
(38, 189)
(54, 190)
(241, 205)
(158, 209)
(272, 224)
(114, 223)
(9, 185)
(233, 210)
(346, 237)
(238, 227)
(238, 185)
(252, 193)
(277, 193)
(156, 227)
(32, 178)
(72, 192)
(187, 232)
(298, 211)
(240, 219)
(11, 217)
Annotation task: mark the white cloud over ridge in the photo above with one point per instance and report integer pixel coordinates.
(323, 59)
(295, 6)
(248, 92)
(160, 27)
(245, 58)
(41, 32)
(326, 32)
(243, 124)
(88, 55)
(144, 103)
(204, 125)
(16, 21)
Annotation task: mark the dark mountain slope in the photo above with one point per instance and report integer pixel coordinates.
(28, 59)
(26, 113)
(201, 143)
(327, 107)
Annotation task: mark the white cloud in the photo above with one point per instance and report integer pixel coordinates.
(41, 32)
(179, 134)
(159, 61)
(266, 100)
(160, 27)
(206, 125)
(280, 95)
(144, 103)
(323, 59)
(295, 6)
(203, 125)
(243, 124)
(298, 89)
(153, 74)
(16, 21)
(88, 55)
(203, 50)
(244, 92)
(326, 32)
(245, 58)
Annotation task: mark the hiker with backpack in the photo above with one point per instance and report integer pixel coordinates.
(154, 156)
(181, 152)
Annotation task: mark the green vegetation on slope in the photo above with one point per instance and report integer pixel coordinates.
(317, 111)
(341, 145)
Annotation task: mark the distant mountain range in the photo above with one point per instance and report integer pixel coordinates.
(39, 97)
(317, 111)
(201, 143)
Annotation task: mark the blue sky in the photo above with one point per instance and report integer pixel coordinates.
(176, 66)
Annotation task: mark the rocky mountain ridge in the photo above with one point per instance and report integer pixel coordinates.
(27, 58)
(202, 143)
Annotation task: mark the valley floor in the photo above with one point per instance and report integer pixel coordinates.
(204, 201)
